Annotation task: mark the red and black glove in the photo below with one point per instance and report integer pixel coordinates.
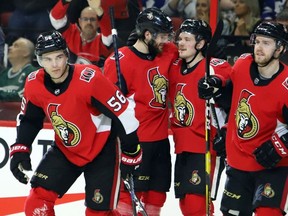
(272, 151)
(130, 162)
(20, 161)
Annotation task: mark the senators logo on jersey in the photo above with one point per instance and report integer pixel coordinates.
(67, 131)
(159, 86)
(183, 109)
(246, 122)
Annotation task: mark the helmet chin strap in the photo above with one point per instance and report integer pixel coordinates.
(197, 52)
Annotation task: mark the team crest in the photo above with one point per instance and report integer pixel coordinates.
(216, 61)
(183, 109)
(98, 197)
(246, 121)
(87, 74)
(159, 85)
(32, 75)
(268, 191)
(66, 131)
(120, 55)
(285, 83)
(195, 179)
(150, 16)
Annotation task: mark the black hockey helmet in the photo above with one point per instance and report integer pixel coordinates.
(50, 41)
(154, 20)
(273, 30)
(199, 28)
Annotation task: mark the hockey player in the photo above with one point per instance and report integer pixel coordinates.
(257, 134)
(144, 67)
(188, 116)
(81, 105)
(84, 40)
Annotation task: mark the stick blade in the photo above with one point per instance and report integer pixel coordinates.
(216, 36)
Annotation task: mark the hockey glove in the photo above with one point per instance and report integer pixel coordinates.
(130, 162)
(272, 151)
(20, 161)
(209, 87)
(219, 142)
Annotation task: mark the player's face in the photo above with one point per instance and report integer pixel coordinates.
(186, 45)
(264, 49)
(161, 39)
(55, 64)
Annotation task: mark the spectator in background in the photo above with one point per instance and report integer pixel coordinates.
(203, 10)
(12, 80)
(29, 18)
(125, 14)
(2, 45)
(270, 8)
(282, 18)
(227, 14)
(248, 15)
(153, 3)
(84, 41)
(180, 8)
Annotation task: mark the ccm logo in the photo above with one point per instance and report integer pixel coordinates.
(282, 150)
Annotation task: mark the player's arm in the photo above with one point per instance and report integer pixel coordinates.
(29, 123)
(112, 103)
(270, 153)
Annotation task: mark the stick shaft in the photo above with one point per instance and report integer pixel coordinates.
(211, 49)
(115, 46)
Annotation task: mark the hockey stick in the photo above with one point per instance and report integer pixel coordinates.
(138, 207)
(211, 49)
(129, 183)
(115, 47)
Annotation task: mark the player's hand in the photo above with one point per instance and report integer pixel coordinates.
(209, 87)
(20, 161)
(272, 151)
(219, 142)
(130, 162)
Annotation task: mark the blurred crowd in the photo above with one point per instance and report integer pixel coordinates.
(87, 26)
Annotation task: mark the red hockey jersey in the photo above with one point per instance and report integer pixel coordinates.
(147, 83)
(188, 110)
(80, 110)
(256, 113)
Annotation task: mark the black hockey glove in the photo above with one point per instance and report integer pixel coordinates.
(20, 161)
(272, 151)
(130, 162)
(219, 142)
(210, 87)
